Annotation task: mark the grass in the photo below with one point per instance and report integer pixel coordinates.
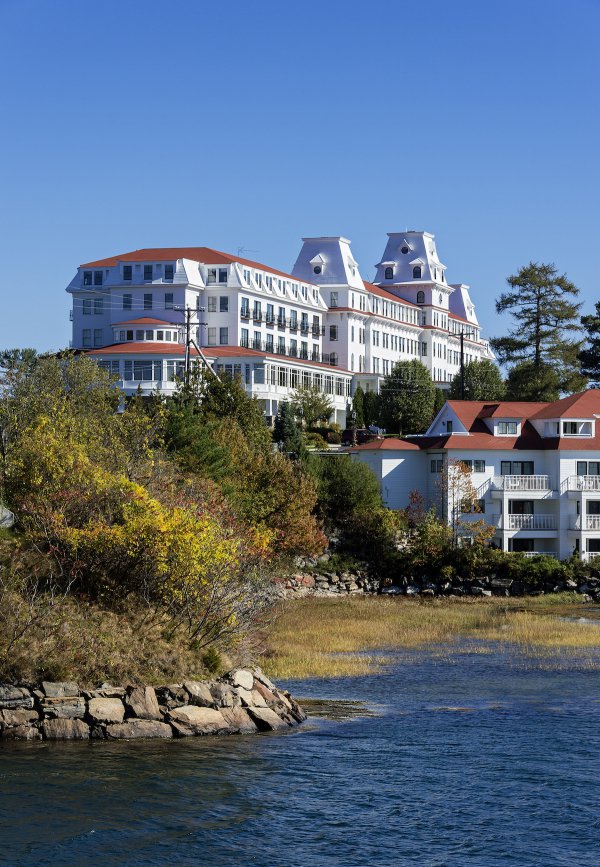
(316, 637)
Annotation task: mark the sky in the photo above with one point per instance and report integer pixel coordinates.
(250, 125)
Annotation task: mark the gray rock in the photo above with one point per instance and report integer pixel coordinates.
(242, 678)
(261, 677)
(65, 729)
(412, 590)
(14, 696)
(7, 518)
(486, 592)
(64, 708)
(59, 689)
(267, 694)
(139, 728)
(106, 710)
(501, 583)
(194, 720)
(141, 702)
(266, 719)
(428, 593)
(223, 695)
(22, 733)
(107, 691)
(391, 591)
(476, 591)
(199, 693)
(245, 696)
(238, 720)
(18, 717)
(172, 695)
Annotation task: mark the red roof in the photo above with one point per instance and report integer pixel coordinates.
(383, 293)
(145, 320)
(387, 444)
(149, 348)
(585, 404)
(243, 352)
(468, 410)
(205, 255)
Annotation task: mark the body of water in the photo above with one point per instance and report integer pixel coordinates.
(455, 759)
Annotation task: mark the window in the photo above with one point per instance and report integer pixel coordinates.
(222, 275)
(281, 317)
(160, 335)
(147, 301)
(270, 314)
(87, 306)
(404, 250)
(588, 468)
(257, 313)
(420, 297)
(211, 275)
(168, 300)
(269, 343)
(333, 299)
(126, 302)
(147, 272)
(87, 278)
(212, 303)
(147, 370)
(169, 269)
(333, 359)
(98, 306)
(570, 428)
(389, 273)
(245, 309)
(294, 320)
(449, 427)
(223, 304)
(479, 467)
(437, 465)
(281, 345)
(223, 336)
(127, 272)
(507, 428)
(97, 278)
(87, 337)
(423, 348)
(333, 332)
(212, 336)
(98, 337)
(417, 272)
(317, 269)
(244, 337)
(129, 334)
(139, 335)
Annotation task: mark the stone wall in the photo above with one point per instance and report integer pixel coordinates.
(243, 701)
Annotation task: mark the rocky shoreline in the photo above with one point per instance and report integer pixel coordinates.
(243, 701)
(320, 582)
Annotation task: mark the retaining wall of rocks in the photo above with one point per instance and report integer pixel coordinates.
(243, 701)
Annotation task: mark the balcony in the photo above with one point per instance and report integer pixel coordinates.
(521, 483)
(586, 522)
(303, 354)
(588, 556)
(280, 350)
(583, 483)
(281, 322)
(257, 317)
(293, 325)
(244, 342)
(270, 320)
(318, 331)
(315, 356)
(537, 554)
(244, 313)
(256, 344)
(531, 522)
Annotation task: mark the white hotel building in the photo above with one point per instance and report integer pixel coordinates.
(321, 325)
(535, 468)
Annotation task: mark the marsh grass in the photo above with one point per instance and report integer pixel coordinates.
(349, 636)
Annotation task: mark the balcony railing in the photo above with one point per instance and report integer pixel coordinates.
(522, 483)
(281, 321)
(257, 317)
(318, 330)
(588, 556)
(586, 522)
(244, 313)
(583, 483)
(537, 554)
(531, 522)
(270, 320)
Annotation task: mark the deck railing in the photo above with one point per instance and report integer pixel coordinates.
(522, 483)
(583, 483)
(531, 522)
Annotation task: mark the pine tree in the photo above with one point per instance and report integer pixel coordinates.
(590, 356)
(286, 431)
(370, 408)
(358, 406)
(545, 313)
(482, 382)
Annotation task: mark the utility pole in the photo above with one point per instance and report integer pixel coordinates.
(462, 365)
(188, 340)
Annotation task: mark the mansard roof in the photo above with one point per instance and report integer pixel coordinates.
(204, 255)
(382, 293)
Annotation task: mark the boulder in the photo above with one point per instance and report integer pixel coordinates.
(242, 677)
(266, 719)
(106, 710)
(412, 590)
(267, 694)
(14, 696)
(194, 720)
(61, 689)
(172, 695)
(245, 696)
(139, 728)
(199, 693)
(261, 677)
(22, 733)
(141, 702)
(65, 729)
(18, 717)
(238, 720)
(64, 708)
(223, 695)
(107, 691)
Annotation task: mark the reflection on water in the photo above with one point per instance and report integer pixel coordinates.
(439, 760)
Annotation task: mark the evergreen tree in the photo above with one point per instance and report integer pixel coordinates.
(440, 399)
(542, 304)
(286, 430)
(590, 356)
(358, 406)
(482, 382)
(370, 408)
(525, 381)
(407, 398)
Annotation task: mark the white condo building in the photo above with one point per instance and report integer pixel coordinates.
(534, 466)
(321, 325)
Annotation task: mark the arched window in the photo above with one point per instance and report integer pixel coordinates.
(416, 272)
(333, 359)
(389, 273)
(420, 296)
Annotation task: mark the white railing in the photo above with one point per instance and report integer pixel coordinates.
(583, 483)
(531, 522)
(588, 556)
(522, 483)
(589, 522)
(536, 554)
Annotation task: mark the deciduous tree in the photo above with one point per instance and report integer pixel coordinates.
(482, 382)
(407, 398)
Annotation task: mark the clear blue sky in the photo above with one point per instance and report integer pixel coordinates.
(143, 123)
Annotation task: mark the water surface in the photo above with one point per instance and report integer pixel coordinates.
(458, 759)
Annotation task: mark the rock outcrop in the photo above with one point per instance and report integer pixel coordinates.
(243, 701)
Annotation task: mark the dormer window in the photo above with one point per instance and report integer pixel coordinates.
(404, 250)
(389, 273)
(417, 272)
(420, 297)
(507, 428)
(317, 269)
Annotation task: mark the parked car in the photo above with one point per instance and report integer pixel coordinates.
(363, 435)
